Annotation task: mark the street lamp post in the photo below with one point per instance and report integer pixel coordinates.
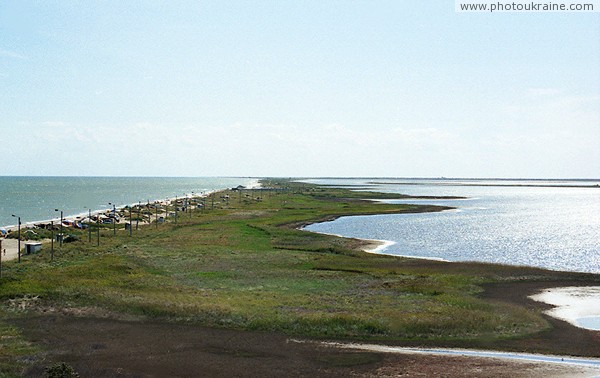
(61, 227)
(51, 240)
(166, 209)
(98, 229)
(176, 209)
(130, 222)
(89, 225)
(137, 221)
(113, 218)
(190, 204)
(19, 237)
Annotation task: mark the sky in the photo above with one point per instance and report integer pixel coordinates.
(296, 89)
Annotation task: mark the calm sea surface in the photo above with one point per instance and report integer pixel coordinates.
(550, 224)
(35, 198)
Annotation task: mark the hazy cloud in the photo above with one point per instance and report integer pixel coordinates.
(540, 92)
(11, 54)
(54, 123)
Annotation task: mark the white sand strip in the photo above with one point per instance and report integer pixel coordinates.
(376, 246)
(574, 366)
(579, 306)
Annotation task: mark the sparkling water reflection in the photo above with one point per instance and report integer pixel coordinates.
(544, 226)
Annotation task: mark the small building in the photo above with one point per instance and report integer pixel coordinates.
(32, 247)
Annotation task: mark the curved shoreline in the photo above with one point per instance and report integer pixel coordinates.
(333, 261)
(549, 358)
(9, 246)
(378, 246)
(573, 304)
(78, 216)
(253, 184)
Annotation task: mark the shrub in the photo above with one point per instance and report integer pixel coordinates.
(61, 370)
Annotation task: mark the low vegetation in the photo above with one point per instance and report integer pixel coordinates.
(245, 265)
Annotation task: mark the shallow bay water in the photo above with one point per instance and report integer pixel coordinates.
(548, 224)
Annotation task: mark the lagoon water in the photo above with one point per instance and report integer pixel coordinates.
(35, 198)
(550, 224)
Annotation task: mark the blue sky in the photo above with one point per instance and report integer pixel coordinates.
(297, 88)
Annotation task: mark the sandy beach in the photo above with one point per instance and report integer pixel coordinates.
(84, 337)
(379, 246)
(160, 209)
(375, 246)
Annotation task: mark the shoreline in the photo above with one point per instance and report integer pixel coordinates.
(378, 247)
(579, 306)
(456, 257)
(375, 246)
(9, 246)
(257, 238)
(548, 358)
(77, 216)
(575, 305)
(562, 308)
(253, 184)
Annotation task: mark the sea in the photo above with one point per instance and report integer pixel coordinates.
(36, 199)
(552, 224)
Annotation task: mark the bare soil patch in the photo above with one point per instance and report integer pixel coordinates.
(102, 347)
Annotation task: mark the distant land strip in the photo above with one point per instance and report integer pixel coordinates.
(503, 185)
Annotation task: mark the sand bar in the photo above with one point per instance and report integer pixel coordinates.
(579, 306)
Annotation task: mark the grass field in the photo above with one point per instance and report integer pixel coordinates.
(245, 265)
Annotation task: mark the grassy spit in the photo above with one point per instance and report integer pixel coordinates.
(244, 265)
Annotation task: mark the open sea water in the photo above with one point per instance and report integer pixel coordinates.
(35, 198)
(551, 224)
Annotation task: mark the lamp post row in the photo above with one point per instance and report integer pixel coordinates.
(18, 237)
(61, 235)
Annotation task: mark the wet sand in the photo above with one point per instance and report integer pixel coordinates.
(579, 306)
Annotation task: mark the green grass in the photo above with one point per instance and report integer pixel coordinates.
(13, 351)
(246, 266)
